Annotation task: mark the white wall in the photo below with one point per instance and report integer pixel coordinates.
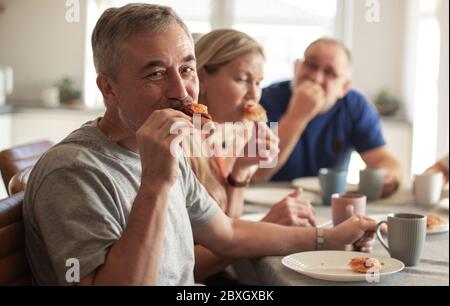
(443, 120)
(40, 45)
(378, 62)
(378, 48)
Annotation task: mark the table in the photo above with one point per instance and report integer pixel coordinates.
(433, 269)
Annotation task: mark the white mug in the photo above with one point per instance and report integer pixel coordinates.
(428, 188)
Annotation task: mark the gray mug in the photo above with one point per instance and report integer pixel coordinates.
(331, 181)
(371, 182)
(406, 236)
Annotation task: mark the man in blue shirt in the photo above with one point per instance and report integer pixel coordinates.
(321, 120)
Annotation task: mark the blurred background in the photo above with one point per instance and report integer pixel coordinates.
(400, 53)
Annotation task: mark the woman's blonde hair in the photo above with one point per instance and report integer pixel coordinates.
(214, 50)
(219, 47)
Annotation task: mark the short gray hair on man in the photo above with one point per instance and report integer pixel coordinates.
(117, 24)
(332, 41)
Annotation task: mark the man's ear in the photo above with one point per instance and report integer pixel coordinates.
(346, 88)
(105, 85)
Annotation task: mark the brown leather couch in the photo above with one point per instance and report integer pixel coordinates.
(14, 269)
(17, 158)
(19, 181)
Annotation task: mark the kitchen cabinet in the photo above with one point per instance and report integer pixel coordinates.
(29, 125)
(5, 131)
(25, 125)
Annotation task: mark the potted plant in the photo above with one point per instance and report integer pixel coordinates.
(69, 94)
(386, 104)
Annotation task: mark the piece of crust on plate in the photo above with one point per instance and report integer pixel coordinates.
(434, 221)
(364, 264)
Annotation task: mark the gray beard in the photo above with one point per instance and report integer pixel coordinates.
(129, 124)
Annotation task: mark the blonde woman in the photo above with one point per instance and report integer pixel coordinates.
(230, 68)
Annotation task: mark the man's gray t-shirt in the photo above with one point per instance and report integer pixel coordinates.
(78, 201)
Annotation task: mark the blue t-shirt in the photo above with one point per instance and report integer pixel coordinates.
(329, 139)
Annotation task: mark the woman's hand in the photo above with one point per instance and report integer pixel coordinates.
(292, 211)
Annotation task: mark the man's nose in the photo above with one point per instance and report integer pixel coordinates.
(176, 88)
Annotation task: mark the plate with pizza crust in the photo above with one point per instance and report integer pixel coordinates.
(334, 266)
(436, 224)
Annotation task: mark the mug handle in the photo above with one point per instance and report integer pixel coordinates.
(379, 237)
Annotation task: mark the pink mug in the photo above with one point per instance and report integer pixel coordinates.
(345, 205)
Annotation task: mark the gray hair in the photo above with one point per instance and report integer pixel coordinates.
(332, 41)
(117, 24)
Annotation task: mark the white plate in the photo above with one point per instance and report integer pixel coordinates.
(312, 184)
(333, 265)
(438, 230)
(270, 196)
